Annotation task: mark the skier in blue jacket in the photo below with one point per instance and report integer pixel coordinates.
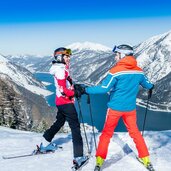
(122, 81)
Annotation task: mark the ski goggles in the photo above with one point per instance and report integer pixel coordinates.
(66, 52)
(114, 49)
(123, 51)
(115, 52)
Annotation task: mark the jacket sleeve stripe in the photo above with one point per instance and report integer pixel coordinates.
(127, 72)
(103, 86)
(120, 73)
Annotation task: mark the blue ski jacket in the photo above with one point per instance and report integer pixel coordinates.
(122, 81)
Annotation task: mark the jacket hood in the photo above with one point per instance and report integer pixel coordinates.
(128, 62)
(56, 67)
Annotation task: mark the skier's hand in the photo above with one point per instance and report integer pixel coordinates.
(79, 90)
(77, 94)
(150, 92)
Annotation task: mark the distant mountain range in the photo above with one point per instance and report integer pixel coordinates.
(90, 63)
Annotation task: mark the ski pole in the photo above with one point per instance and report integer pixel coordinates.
(91, 116)
(80, 114)
(145, 114)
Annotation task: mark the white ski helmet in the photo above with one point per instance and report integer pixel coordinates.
(124, 50)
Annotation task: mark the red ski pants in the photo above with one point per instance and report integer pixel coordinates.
(129, 119)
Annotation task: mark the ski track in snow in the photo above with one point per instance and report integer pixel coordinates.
(19, 142)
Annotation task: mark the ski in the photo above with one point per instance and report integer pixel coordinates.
(75, 167)
(149, 167)
(33, 153)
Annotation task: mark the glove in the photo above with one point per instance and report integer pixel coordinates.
(79, 90)
(150, 92)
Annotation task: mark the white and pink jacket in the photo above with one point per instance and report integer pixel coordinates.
(64, 89)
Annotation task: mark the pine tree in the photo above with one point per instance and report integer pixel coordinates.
(42, 126)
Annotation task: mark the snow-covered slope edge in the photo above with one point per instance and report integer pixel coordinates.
(14, 141)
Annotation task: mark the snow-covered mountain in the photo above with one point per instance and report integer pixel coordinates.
(21, 142)
(88, 46)
(154, 56)
(21, 76)
(87, 54)
(90, 62)
(22, 103)
(31, 62)
(80, 50)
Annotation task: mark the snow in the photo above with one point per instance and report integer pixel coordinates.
(154, 56)
(46, 83)
(25, 56)
(2, 59)
(18, 142)
(153, 40)
(22, 78)
(154, 106)
(39, 90)
(88, 46)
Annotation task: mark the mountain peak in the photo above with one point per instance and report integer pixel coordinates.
(3, 59)
(165, 38)
(88, 46)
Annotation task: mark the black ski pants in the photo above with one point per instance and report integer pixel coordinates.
(67, 113)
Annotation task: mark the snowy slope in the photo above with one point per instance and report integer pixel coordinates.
(14, 141)
(21, 77)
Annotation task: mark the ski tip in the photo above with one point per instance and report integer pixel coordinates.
(3, 157)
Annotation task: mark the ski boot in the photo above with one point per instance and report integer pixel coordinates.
(99, 163)
(79, 162)
(146, 162)
(49, 148)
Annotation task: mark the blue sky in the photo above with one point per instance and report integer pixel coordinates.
(38, 27)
